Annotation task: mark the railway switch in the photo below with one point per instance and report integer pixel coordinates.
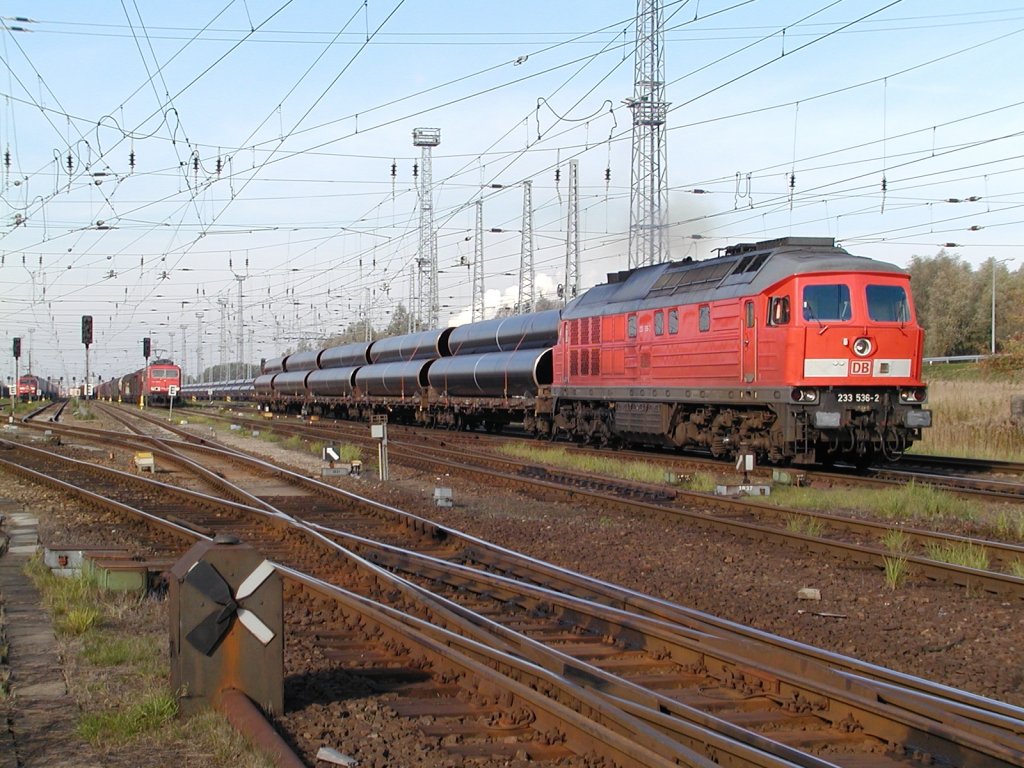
(226, 625)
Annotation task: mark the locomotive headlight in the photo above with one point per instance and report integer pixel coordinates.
(804, 395)
(917, 395)
(862, 347)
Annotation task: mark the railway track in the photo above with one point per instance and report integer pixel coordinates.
(842, 536)
(636, 658)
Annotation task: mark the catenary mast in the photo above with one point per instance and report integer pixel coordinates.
(649, 185)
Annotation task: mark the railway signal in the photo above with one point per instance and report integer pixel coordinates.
(87, 330)
(147, 347)
(17, 347)
(87, 340)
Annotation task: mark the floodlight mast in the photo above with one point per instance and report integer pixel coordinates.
(426, 139)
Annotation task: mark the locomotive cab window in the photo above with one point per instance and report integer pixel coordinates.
(704, 318)
(778, 311)
(748, 311)
(827, 302)
(888, 304)
(673, 321)
(659, 323)
(631, 327)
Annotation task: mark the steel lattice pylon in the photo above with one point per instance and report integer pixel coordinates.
(477, 311)
(527, 275)
(427, 139)
(572, 236)
(649, 184)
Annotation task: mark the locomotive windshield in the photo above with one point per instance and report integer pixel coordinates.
(826, 302)
(888, 304)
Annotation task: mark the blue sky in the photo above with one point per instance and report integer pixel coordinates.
(263, 136)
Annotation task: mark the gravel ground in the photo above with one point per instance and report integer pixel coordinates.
(969, 641)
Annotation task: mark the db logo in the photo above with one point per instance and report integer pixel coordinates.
(860, 367)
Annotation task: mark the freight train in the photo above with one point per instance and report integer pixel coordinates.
(159, 383)
(793, 349)
(32, 387)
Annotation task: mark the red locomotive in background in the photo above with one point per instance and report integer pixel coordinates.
(32, 387)
(154, 382)
(792, 349)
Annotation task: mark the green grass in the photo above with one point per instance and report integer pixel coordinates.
(896, 541)
(1010, 525)
(609, 466)
(1017, 569)
(108, 649)
(123, 724)
(79, 619)
(964, 554)
(902, 503)
(895, 571)
(808, 526)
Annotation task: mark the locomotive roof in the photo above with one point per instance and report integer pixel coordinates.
(740, 270)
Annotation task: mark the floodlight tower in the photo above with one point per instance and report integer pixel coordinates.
(477, 310)
(527, 276)
(649, 185)
(572, 236)
(426, 139)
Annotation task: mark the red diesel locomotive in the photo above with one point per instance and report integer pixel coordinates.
(791, 348)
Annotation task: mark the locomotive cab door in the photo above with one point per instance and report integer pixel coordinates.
(748, 336)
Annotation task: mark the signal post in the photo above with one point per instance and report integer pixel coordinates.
(87, 340)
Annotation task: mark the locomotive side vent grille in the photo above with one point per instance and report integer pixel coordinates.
(595, 330)
(584, 331)
(574, 362)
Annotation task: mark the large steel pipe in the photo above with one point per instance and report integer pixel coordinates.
(495, 374)
(274, 366)
(537, 330)
(346, 355)
(332, 382)
(425, 345)
(264, 384)
(302, 361)
(401, 379)
(291, 384)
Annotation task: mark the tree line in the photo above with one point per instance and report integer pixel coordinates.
(954, 304)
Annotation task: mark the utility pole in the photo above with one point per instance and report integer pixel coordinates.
(426, 139)
(476, 311)
(241, 327)
(649, 186)
(572, 237)
(184, 352)
(222, 302)
(200, 373)
(527, 276)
